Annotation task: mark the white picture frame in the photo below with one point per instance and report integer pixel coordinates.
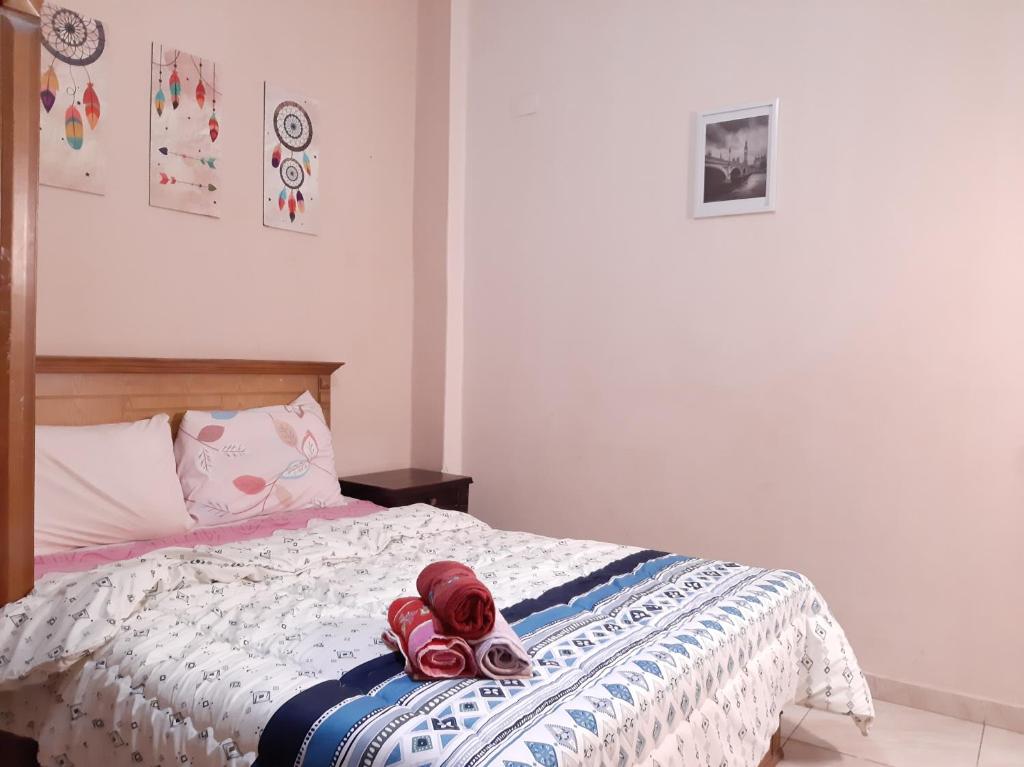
(735, 160)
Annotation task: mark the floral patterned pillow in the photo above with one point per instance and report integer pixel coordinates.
(238, 464)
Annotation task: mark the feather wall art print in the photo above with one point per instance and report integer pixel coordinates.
(184, 132)
(291, 161)
(71, 119)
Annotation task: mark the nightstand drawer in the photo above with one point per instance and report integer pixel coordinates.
(454, 498)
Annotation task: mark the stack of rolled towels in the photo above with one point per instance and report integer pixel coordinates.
(453, 629)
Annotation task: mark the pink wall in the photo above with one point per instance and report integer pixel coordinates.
(119, 277)
(838, 387)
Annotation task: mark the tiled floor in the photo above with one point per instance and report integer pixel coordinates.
(900, 737)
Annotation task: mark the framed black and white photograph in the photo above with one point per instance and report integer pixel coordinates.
(735, 160)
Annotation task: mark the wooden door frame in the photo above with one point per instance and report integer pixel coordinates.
(19, 192)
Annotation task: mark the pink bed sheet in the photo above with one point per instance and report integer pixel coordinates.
(254, 527)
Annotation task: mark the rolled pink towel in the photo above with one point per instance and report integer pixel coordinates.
(500, 653)
(429, 654)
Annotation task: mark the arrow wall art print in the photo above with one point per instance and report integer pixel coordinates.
(186, 135)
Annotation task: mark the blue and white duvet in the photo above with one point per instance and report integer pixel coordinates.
(268, 651)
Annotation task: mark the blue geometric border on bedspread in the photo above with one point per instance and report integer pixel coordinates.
(356, 720)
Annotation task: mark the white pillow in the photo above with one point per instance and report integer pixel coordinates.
(106, 484)
(243, 463)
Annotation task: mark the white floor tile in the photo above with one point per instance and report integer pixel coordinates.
(803, 754)
(900, 737)
(1001, 748)
(792, 715)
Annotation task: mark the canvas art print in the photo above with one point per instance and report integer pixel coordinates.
(184, 132)
(72, 82)
(735, 161)
(291, 161)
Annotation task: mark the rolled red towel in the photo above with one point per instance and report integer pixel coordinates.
(462, 604)
(429, 654)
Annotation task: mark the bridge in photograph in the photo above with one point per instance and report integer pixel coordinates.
(731, 170)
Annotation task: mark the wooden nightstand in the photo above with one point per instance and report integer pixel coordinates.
(404, 486)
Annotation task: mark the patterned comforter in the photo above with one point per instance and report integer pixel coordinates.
(269, 651)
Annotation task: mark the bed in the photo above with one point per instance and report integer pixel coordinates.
(260, 643)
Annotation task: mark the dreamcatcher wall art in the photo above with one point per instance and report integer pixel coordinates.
(184, 132)
(291, 161)
(71, 86)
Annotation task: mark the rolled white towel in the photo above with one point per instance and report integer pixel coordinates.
(500, 654)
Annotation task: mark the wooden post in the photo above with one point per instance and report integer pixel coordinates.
(19, 191)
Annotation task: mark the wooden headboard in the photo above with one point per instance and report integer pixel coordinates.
(79, 391)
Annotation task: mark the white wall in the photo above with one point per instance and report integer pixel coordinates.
(838, 387)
